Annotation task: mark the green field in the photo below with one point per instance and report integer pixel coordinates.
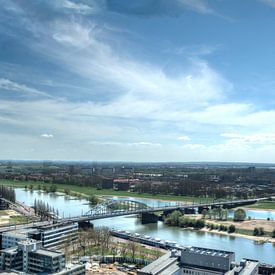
(263, 205)
(88, 191)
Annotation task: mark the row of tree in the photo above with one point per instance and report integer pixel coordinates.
(44, 210)
(7, 193)
(99, 241)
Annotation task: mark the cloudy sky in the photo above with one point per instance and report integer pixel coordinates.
(141, 80)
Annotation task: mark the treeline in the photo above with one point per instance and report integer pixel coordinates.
(44, 210)
(45, 187)
(7, 193)
(176, 218)
(189, 188)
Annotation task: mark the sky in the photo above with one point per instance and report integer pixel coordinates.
(140, 80)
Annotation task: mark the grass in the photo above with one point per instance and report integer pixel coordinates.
(12, 220)
(18, 219)
(88, 191)
(264, 205)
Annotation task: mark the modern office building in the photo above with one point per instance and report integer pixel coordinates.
(200, 261)
(52, 236)
(56, 235)
(30, 257)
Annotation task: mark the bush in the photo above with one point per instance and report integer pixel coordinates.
(256, 231)
(273, 234)
(239, 215)
(231, 228)
(261, 231)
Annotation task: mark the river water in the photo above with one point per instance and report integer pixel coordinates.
(244, 248)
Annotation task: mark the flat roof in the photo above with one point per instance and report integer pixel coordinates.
(49, 253)
(172, 269)
(10, 250)
(157, 266)
(209, 251)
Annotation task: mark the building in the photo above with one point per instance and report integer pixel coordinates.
(52, 236)
(31, 258)
(200, 261)
(104, 183)
(121, 184)
(56, 235)
(168, 264)
(11, 238)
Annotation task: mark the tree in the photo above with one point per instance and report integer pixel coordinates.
(173, 218)
(239, 215)
(93, 200)
(231, 228)
(132, 248)
(261, 231)
(273, 233)
(256, 231)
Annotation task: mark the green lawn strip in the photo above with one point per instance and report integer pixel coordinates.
(250, 232)
(18, 219)
(88, 191)
(263, 205)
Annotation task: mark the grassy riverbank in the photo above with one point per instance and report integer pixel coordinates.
(89, 191)
(264, 205)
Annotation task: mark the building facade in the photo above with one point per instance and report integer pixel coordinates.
(31, 258)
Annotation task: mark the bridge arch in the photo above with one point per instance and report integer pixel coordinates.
(117, 206)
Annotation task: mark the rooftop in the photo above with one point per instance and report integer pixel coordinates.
(48, 253)
(210, 252)
(161, 264)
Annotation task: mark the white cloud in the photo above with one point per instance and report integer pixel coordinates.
(9, 85)
(143, 101)
(46, 136)
(79, 7)
(270, 3)
(257, 138)
(184, 138)
(199, 6)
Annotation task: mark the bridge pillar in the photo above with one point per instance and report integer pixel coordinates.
(3, 204)
(149, 218)
(228, 206)
(201, 208)
(189, 211)
(85, 225)
(215, 206)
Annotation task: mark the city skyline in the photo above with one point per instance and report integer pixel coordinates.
(115, 80)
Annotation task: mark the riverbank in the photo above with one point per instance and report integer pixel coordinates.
(256, 239)
(263, 205)
(87, 191)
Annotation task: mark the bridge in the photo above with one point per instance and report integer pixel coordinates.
(123, 207)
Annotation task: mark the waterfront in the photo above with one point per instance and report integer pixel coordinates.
(68, 206)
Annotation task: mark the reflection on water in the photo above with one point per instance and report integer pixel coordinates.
(67, 206)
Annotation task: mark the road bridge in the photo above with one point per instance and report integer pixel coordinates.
(122, 207)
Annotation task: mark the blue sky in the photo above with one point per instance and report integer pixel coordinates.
(144, 80)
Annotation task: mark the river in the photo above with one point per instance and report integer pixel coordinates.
(244, 248)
